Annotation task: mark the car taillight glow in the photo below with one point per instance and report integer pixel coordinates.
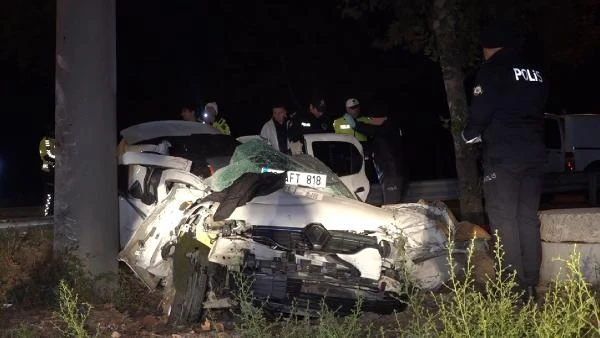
(569, 161)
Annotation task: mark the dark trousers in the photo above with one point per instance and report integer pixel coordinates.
(512, 197)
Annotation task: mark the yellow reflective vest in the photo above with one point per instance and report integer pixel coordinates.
(47, 149)
(222, 126)
(341, 126)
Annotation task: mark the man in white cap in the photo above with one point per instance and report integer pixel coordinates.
(347, 124)
(209, 116)
(365, 129)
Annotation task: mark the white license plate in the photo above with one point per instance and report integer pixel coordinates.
(302, 178)
(306, 179)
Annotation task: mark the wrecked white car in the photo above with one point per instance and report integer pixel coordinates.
(198, 206)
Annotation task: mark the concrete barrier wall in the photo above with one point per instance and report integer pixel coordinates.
(562, 232)
(571, 225)
(554, 256)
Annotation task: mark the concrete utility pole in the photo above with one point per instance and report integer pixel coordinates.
(86, 206)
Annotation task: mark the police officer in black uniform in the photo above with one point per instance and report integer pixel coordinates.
(47, 152)
(507, 115)
(317, 120)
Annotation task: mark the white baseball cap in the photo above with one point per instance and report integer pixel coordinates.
(351, 103)
(212, 105)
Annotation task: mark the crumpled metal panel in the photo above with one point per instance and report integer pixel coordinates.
(144, 253)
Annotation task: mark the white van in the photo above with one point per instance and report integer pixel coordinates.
(572, 142)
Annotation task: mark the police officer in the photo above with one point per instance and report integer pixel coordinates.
(347, 123)
(211, 116)
(507, 115)
(364, 129)
(316, 121)
(47, 151)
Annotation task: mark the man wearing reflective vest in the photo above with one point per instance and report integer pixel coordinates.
(210, 116)
(364, 129)
(47, 151)
(347, 123)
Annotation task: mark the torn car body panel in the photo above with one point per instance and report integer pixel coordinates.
(148, 251)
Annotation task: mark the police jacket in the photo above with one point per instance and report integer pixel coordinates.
(507, 110)
(47, 150)
(310, 124)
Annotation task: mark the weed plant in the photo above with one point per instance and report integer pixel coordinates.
(72, 313)
(569, 308)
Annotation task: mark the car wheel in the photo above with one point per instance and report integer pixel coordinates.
(189, 281)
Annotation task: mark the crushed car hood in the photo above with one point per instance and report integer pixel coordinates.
(299, 206)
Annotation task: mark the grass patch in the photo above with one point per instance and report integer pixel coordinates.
(22, 331)
(30, 272)
(466, 309)
(25, 267)
(30, 277)
(251, 320)
(569, 308)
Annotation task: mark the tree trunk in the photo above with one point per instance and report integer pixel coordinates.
(450, 58)
(86, 207)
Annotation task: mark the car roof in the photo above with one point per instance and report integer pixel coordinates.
(155, 129)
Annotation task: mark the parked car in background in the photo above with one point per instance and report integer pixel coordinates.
(572, 143)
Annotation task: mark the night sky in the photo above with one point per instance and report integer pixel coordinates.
(244, 55)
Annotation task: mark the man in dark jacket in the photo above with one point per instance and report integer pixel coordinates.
(317, 120)
(384, 147)
(507, 115)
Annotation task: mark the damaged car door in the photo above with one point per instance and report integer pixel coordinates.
(344, 155)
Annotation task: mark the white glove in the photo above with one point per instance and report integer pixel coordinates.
(350, 120)
(471, 141)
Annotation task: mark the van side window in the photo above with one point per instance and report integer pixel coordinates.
(552, 134)
(342, 157)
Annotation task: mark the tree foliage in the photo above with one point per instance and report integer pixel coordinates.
(558, 32)
(447, 32)
(410, 25)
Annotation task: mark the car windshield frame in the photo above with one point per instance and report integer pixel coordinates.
(255, 156)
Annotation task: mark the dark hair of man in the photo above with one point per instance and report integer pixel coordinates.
(188, 106)
(319, 104)
(278, 105)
